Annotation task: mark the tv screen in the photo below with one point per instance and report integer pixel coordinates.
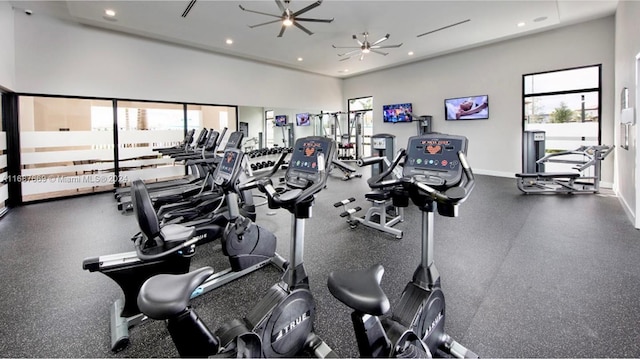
(281, 120)
(467, 108)
(302, 119)
(397, 113)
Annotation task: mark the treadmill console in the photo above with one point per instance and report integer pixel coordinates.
(235, 140)
(228, 168)
(210, 145)
(433, 159)
(202, 137)
(309, 161)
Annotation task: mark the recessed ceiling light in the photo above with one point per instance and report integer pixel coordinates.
(110, 12)
(300, 59)
(410, 53)
(521, 24)
(229, 41)
(539, 19)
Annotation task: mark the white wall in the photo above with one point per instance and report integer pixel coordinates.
(627, 47)
(56, 57)
(7, 47)
(495, 70)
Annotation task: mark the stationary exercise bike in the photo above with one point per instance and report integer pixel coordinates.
(432, 178)
(281, 324)
(169, 248)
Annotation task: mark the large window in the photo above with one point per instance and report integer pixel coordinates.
(4, 188)
(566, 105)
(143, 126)
(68, 145)
(361, 124)
(60, 151)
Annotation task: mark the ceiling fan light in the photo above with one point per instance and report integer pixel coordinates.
(365, 51)
(287, 22)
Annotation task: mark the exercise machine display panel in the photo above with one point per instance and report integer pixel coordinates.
(309, 157)
(235, 139)
(433, 158)
(228, 166)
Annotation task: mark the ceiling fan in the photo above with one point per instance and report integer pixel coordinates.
(366, 47)
(289, 17)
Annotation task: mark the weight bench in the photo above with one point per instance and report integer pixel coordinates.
(348, 171)
(550, 182)
(583, 158)
(377, 215)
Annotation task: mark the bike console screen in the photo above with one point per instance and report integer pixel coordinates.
(310, 156)
(227, 167)
(433, 159)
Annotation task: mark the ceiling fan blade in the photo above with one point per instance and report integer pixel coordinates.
(312, 6)
(362, 56)
(302, 28)
(282, 30)
(313, 20)
(358, 41)
(345, 59)
(386, 47)
(380, 52)
(281, 6)
(259, 12)
(386, 37)
(345, 47)
(264, 23)
(349, 53)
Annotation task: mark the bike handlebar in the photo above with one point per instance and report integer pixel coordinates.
(453, 195)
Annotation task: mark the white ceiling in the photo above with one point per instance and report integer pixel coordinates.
(210, 23)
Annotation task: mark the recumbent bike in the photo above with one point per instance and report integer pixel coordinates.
(281, 324)
(435, 176)
(169, 248)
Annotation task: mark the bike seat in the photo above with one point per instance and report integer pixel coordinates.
(166, 295)
(177, 232)
(360, 290)
(378, 195)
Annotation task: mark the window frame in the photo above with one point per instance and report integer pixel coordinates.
(564, 92)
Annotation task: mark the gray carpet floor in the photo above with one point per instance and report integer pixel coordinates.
(523, 275)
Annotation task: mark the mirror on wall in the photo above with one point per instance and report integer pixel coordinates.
(271, 126)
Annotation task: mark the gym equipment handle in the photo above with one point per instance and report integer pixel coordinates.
(254, 181)
(368, 161)
(376, 182)
(150, 257)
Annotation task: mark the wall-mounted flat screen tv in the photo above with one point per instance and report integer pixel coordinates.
(302, 119)
(281, 120)
(467, 108)
(397, 113)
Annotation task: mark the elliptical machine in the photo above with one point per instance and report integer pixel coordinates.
(281, 324)
(433, 179)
